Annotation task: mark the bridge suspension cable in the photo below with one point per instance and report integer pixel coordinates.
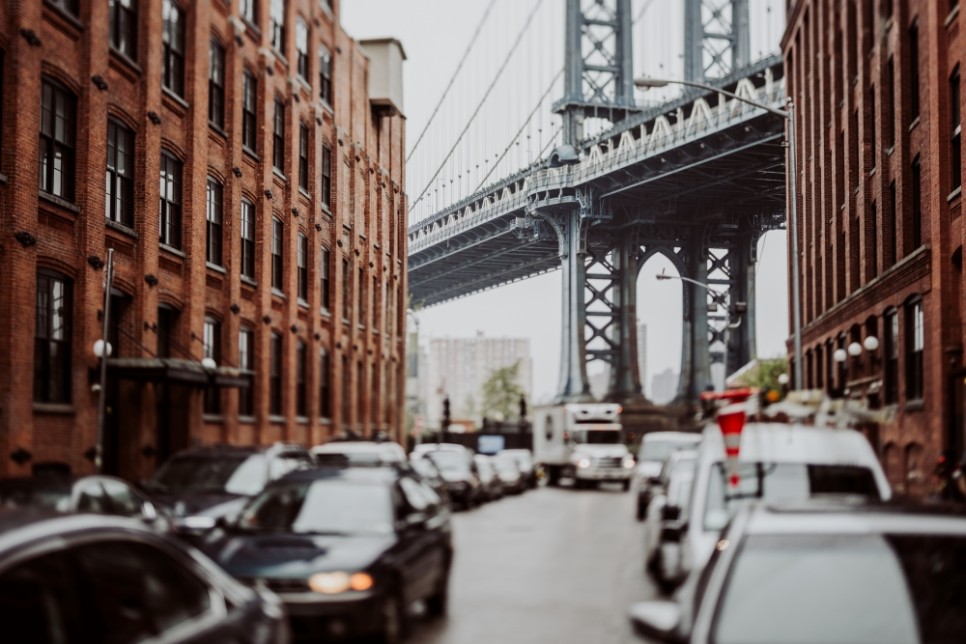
(449, 86)
(486, 94)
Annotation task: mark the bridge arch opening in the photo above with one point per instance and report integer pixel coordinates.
(660, 308)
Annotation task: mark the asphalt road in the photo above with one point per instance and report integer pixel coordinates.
(552, 565)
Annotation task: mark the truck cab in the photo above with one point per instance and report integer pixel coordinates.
(582, 442)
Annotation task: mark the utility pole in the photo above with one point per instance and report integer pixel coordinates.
(105, 353)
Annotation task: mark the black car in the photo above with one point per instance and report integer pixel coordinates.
(198, 486)
(81, 578)
(431, 476)
(348, 550)
(458, 472)
(97, 494)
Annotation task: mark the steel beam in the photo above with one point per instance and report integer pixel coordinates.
(625, 376)
(716, 38)
(695, 352)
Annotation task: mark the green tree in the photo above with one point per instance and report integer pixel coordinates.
(765, 374)
(502, 392)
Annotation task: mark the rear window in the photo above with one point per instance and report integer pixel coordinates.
(846, 589)
(659, 450)
(781, 482)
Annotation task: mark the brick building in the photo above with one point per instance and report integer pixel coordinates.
(877, 91)
(245, 162)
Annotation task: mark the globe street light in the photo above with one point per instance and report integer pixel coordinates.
(789, 115)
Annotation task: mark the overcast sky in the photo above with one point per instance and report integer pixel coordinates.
(435, 34)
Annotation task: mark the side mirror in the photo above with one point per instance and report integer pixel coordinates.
(149, 512)
(672, 533)
(657, 619)
(670, 513)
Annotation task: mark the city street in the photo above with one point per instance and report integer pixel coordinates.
(553, 565)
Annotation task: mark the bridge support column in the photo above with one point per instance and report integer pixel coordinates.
(573, 385)
(742, 347)
(625, 376)
(695, 351)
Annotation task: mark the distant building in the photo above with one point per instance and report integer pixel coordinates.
(664, 387)
(458, 367)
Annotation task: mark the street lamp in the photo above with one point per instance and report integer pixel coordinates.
(740, 307)
(789, 115)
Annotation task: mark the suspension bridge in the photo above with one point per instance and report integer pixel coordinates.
(596, 182)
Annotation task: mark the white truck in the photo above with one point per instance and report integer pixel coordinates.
(582, 442)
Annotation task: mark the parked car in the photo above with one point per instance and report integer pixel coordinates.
(423, 448)
(86, 578)
(198, 486)
(669, 506)
(824, 572)
(97, 494)
(458, 471)
(524, 459)
(509, 474)
(489, 481)
(346, 549)
(656, 447)
(358, 453)
(426, 471)
(777, 462)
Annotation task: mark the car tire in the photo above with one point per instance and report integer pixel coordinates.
(437, 604)
(394, 623)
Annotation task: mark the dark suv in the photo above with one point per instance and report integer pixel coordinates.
(198, 486)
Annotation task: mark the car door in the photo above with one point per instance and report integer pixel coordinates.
(38, 600)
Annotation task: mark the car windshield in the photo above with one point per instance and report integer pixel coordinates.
(321, 507)
(347, 459)
(780, 482)
(217, 475)
(659, 450)
(449, 461)
(847, 589)
(596, 436)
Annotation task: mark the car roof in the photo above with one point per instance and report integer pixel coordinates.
(353, 446)
(679, 455)
(840, 516)
(430, 447)
(24, 527)
(378, 474)
(671, 437)
(791, 443)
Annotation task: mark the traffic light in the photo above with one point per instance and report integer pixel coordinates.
(523, 408)
(446, 414)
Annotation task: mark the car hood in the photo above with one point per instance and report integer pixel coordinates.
(287, 556)
(601, 450)
(193, 504)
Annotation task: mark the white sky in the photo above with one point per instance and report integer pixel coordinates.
(435, 33)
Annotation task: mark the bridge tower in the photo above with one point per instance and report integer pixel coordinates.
(599, 272)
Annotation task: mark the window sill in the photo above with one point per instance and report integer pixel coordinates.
(253, 30)
(302, 420)
(277, 293)
(121, 228)
(951, 17)
(217, 129)
(326, 106)
(305, 193)
(246, 419)
(247, 150)
(212, 418)
(247, 281)
(325, 421)
(275, 418)
(128, 64)
(303, 303)
(172, 250)
(326, 314)
(63, 15)
(278, 173)
(60, 409)
(914, 405)
(326, 10)
(179, 104)
(215, 267)
(955, 193)
(59, 201)
(914, 124)
(326, 210)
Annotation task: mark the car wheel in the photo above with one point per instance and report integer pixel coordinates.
(393, 620)
(437, 604)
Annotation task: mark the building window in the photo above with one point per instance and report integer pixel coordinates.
(916, 223)
(52, 339)
(873, 139)
(119, 195)
(872, 253)
(346, 291)
(362, 297)
(325, 389)
(249, 131)
(326, 177)
(246, 363)
(1, 102)
(301, 390)
(914, 71)
(891, 356)
(216, 84)
(247, 239)
(326, 286)
(915, 341)
(302, 258)
(249, 11)
(172, 70)
(213, 217)
(363, 386)
(955, 142)
(889, 228)
(58, 123)
(325, 75)
(124, 27)
(167, 330)
(278, 136)
(303, 157)
(212, 342)
(302, 49)
(277, 263)
(275, 376)
(170, 217)
(346, 391)
(276, 26)
(889, 106)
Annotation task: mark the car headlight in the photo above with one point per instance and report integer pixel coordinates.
(198, 522)
(583, 463)
(333, 583)
(628, 462)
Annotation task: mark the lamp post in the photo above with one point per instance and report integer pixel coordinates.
(102, 348)
(789, 115)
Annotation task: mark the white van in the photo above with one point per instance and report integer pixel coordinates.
(776, 462)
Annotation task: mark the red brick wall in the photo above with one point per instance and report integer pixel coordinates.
(856, 263)
(73, 51)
